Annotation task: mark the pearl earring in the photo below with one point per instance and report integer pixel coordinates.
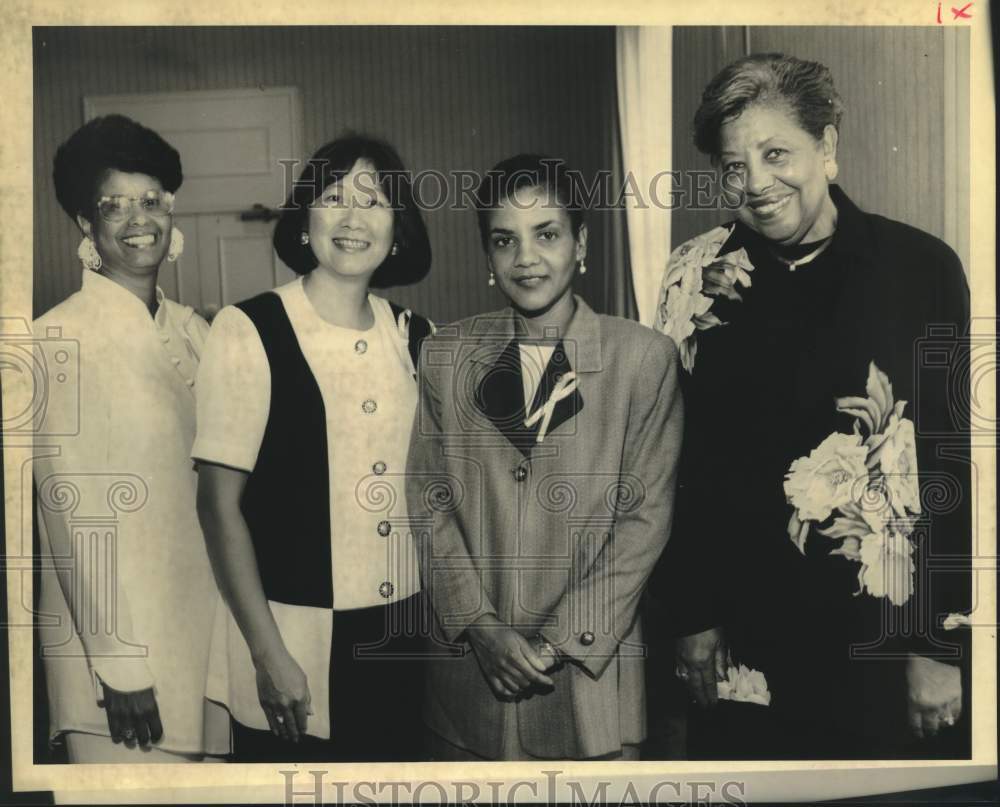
(88, 254)
(493, 280)
(304, 238)
(394, 250)
(583, 267)
(176, 244)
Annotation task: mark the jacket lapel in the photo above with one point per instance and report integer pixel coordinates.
(499, 394)
(566, 408)
(500, 397)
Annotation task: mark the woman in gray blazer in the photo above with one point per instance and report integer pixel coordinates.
(541, 483)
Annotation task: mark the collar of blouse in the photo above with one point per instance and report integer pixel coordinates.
(121, 301)
(582, 339)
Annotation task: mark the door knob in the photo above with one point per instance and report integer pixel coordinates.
(259, 212)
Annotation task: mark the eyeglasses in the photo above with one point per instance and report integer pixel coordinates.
(153, 203)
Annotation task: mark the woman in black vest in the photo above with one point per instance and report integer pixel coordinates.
(306, 403)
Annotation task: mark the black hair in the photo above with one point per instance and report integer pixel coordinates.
(805, 87)
(508, 176)
(331, 163)
(110, 142)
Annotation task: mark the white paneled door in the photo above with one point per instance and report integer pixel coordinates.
(234, 146)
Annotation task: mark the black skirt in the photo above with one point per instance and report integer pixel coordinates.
(376, 692)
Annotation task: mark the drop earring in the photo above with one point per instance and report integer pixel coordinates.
(583, 267)
(304, 238)
(88, 254)
(492, 281)
(394, 250)
(176, 244)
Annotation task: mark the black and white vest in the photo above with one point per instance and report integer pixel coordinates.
(286, 501)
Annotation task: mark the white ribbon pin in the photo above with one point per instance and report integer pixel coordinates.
(565, 387)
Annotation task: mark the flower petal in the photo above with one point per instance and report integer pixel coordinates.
(849, 548)
(953, 621)
(844, 527)
(853, 406)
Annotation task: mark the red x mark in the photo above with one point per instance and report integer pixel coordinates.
(960, 12)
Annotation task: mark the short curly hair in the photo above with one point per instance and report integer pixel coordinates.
(806, 87)
(332, 162)
(508, 176)
(110, 142)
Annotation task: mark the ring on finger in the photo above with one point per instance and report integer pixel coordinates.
(128, 734)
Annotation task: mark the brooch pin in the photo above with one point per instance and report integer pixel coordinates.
(565, 387)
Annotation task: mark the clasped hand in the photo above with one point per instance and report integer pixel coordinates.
(512, 665)
(702, 661)
(133, 717)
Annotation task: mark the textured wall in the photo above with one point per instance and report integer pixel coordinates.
(896, 151)
(465, 97)
(448, 98)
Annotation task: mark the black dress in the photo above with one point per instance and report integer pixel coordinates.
(762, 394)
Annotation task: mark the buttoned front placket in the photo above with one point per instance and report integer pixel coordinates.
(382, 529)
(175, 344)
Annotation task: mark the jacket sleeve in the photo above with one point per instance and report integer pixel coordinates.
(946, 360)
(72, 475)
(686, 588)
(433, 493)
(599, 606)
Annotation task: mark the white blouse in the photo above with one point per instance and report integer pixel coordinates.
(116, 490)
(369, 395)
(534, 359)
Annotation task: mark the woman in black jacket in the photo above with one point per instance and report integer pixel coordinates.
(825, 471)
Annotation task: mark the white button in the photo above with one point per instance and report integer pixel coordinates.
(361, 346)
(386, 589)
(369, 407)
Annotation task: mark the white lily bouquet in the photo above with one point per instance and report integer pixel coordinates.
(865, 484)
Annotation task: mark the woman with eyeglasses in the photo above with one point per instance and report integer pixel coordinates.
(127, 592)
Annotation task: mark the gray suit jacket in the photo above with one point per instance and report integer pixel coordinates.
(555, 537)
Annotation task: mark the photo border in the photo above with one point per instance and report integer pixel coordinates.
(263, 783)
